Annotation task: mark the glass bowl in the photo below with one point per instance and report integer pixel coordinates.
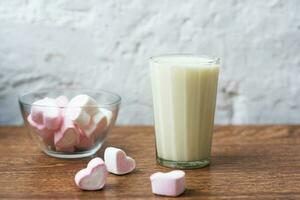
(59, 136)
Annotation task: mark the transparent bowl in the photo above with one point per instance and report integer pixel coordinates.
(50, 139)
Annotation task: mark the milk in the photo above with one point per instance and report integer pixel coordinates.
(184, 92)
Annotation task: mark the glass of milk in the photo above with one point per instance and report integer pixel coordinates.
(184, 89)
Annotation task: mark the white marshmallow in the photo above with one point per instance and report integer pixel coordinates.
(117, 162)
(98, 117)
(78, 116)
(108, 114)
(67, 136)
(37, 110)
(86, 102)
(52, 117)
(97, 125)
(93, 177)
(85, 142)
(89, 130)
(102, 124)
(62, 101)
(46, 111)
(168, 184)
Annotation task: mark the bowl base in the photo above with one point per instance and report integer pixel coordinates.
(74, 155)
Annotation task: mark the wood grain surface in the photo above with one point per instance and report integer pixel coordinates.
(248, 162)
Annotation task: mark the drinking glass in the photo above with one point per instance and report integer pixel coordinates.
(184, 89)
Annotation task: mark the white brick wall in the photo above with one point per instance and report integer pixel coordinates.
(105, 44)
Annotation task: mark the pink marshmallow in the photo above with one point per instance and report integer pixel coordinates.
(37, 110)
(102, 125)
(97, 126)
(62, 101)
(89, 130)
(67, 136)
(87, 103)
(79, 116)
(46, 111)
(37, 114)
(52, 118)
(85, 142)
(93, 177)
(168, 184)
(117, 162)
(45, 134)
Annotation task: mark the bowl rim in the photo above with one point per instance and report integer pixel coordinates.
(117, 97)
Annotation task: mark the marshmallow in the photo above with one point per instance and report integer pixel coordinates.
(67, 136)
(46, 111)
(62, 101)
(88, 134)
(93, 177)
(86, 102)
(45, 134)
(52, 118)
(81, 109)
(168, 184)
(96, 126)
(99, 125)
(101, 128)
(37, 110)
(103, 120)
(85, 142)
(90, 130)
(79, 116)
(98, 117)
(117, 162)
(108, 114)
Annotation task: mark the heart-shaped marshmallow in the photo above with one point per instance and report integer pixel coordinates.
(46, 135)
(101, 128)
(78, 116)
(62, 101)
(168, 184)
(98, 117)
(52, 118)
(98, 125)
(108, 114)
(117, 162)
(81, 109)
(46, 112)
(91, 133)
(93, 177)
(86, 102)
(85, 142)
(67, 136)
(37, 110)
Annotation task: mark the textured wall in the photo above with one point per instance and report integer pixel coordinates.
(105, 44)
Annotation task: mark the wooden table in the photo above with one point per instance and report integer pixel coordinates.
(248, 162)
